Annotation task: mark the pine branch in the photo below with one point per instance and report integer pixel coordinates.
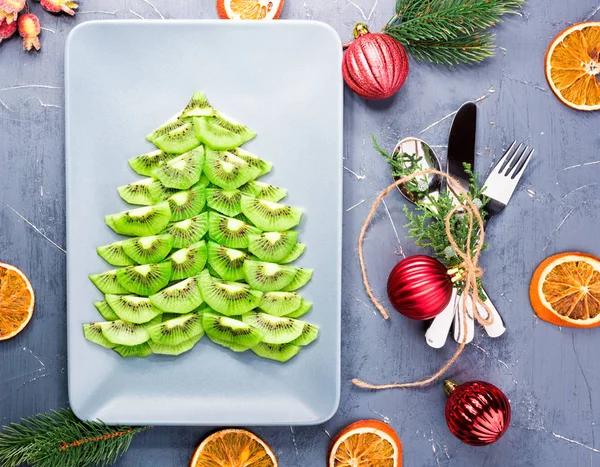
(466, 49)
(61, 439)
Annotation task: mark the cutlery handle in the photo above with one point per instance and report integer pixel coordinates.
(497, 328)
(459, 324)
(437, 334)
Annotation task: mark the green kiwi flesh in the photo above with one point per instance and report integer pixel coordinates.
(299, 249)
(268, 277)
(188, 231)
(183, 171)
(280, 303)
(137, 310)
(186, 204)
(300, 280)
(272, 246)
(114, 255)
(177, 330)
(144, 192)
(301, 311)
(226, 170)
(188, 261)
(146, 163)
(179, 140)
(225, 201)
(253, 160)
(179, 298)
(264, 191)
(106, 311)
(140, 222)
(93, 333)
(146, 279)
(131, 351)
(228, 263)
(220, 132)
(231, 333)
(275, 330)
(228, 298)
(198, 106)
(309, 333)
(266, 215)
(124, 333)
(279, 352)
(230, 232)
(185, 346)
(171, 124)
(107, 282)
(148, 250)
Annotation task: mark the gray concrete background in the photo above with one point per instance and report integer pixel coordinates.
(551, 375)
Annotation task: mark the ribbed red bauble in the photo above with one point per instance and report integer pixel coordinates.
(375, 66)
(419, 287)
(477, 413)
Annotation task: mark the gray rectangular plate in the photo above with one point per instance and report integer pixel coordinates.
(281, 78)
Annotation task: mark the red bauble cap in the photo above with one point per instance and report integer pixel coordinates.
(477, 413)
(419, 287)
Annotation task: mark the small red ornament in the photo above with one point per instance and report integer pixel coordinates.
(29, 28)
(419, 287)
(7, 29)
(477, 413)
(375, 66)
(56, 6)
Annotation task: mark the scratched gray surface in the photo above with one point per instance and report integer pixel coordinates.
(551, 375)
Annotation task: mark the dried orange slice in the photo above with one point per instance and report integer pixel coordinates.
(16, 301)
(233, 448)
(573, 66)
(249, 9)
(368, 443)
(565, 290)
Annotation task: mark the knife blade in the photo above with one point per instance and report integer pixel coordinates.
(461, 143)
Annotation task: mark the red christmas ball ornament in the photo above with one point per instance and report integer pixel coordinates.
(375, 66)
(477, 413)
(419, 287)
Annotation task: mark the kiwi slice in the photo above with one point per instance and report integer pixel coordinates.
(145, 192)
(137, 310)
(178, 349)
(147, 250)
(140, 222)
(270, 216)
(308, 335)
(154, 321)
(299, 249)
(225, 201)
(130, 351)
(113, 254)
(228, 298)
(198, 106)
(177, 330)
(146, 279)
(272, 246)
(253, 160)
(170, 125)
(263, 191)
(230, 232)
(220, 132)
(188, 261)
(300, 279)
(124, 333)
(275, 330)
(179, 140)
(106, 311)
(231, 333)
(301, 311)
(183, 171)
(268, 277)
(226, 170)
(280, 352)
(228, 263)
(107, 282)
(186, 204)
(180, 298)
(146, 163)
(188, 231)
(280, 303)
(93, 333)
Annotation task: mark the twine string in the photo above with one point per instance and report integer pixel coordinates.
(469, 264)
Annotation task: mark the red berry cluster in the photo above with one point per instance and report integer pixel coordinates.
(28, 24)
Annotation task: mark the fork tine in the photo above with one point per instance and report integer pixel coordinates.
(514, 162)
(502, 162)
(520, 170)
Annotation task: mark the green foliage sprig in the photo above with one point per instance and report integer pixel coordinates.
(448, 32)
(60, 439)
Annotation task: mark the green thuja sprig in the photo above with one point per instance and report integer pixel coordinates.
(61, 439)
